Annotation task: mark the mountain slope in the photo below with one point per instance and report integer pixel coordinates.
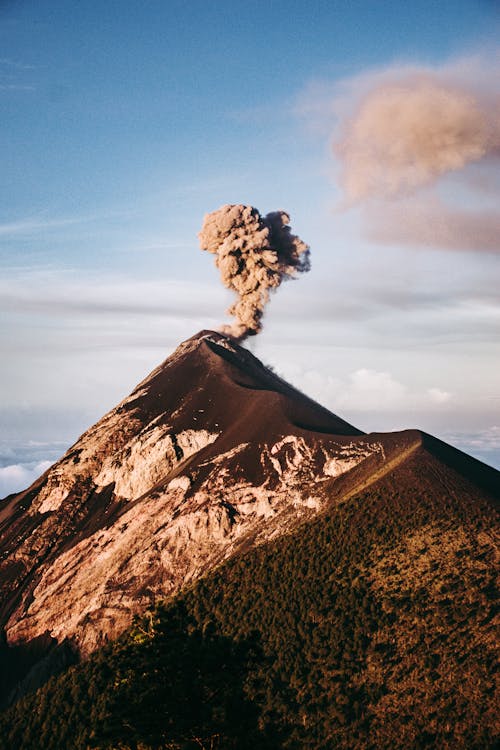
(370, 626)
(210, 457)
(211, 452)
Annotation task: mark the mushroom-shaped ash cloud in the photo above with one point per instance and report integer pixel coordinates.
(254, 255)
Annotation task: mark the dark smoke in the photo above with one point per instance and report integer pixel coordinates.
(254, 254)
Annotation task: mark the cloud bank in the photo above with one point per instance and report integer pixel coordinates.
(368, 390)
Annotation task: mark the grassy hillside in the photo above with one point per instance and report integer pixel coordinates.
(372, 627)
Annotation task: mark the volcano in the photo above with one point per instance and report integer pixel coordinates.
(212, 458)
(210, 454)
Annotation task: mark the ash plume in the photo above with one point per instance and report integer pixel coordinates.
(254, 254)
(408, 131)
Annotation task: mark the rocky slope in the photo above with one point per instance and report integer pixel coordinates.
(209, 456)
(371, 625)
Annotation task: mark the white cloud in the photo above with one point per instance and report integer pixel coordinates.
(367, 390)
(17, 477)
(438, 396)
(482, 440)
(482, 444)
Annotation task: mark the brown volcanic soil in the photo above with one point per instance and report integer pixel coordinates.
(235, 391)
(210, 455)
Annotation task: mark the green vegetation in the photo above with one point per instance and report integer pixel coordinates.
(372, 627)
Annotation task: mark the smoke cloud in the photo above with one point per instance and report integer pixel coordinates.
(426, 221)
(407, 132)
(254, 254)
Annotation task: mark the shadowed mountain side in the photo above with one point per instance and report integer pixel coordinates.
(475, 471)
(437, 462)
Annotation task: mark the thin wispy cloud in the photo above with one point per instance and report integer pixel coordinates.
(62, 293)
(13, 75)
(41, 222)
(7, 62)
(413, 309)
(15, 87)
(33, 225)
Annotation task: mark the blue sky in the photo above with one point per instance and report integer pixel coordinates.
(123, 123)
